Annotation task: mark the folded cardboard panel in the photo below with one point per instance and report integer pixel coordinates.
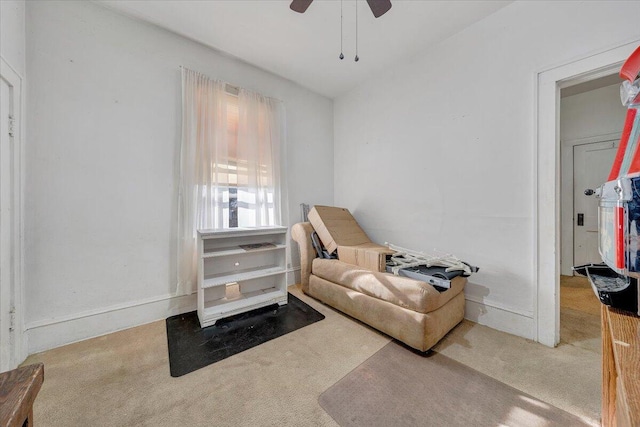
(367, 255)
(336, 227)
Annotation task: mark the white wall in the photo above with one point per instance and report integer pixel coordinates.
(593, 113)
(439, 152)
(591, 116)
(12, 34)
(102, 156)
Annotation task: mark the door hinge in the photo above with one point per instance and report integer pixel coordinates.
(12, 319)
(12, 122)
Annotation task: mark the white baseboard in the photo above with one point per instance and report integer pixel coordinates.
(501, 318)
(48, 334)
(293, 275)
(43, 335)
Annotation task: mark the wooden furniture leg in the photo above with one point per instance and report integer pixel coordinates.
(18, 391)
(609, 375)
(620, 368)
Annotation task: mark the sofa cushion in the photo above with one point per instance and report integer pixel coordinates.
(402, 291)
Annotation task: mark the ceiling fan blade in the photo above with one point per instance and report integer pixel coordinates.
(379, 7)
(300, 6)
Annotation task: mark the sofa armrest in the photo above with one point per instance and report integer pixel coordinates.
(301, 233)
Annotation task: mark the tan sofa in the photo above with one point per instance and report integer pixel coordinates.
(409, 310)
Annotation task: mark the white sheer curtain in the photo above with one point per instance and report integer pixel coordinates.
(259, 160)
(231, 147)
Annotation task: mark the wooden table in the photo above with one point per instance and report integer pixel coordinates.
(18, 390)
(620, 368)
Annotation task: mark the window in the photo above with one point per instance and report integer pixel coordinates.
(230, 166)
(234, 176)
(231, 191)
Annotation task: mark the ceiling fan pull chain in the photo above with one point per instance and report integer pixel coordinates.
(356, 58)
(341, 55)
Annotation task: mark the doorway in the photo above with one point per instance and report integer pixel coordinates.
(547, 199)
(11, 324)
(591, 121)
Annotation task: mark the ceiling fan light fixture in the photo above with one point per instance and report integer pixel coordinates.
(300, 6)
(378, 7)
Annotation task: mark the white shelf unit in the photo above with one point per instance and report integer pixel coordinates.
(253, 258)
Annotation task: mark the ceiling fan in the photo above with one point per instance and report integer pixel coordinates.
(378, 7)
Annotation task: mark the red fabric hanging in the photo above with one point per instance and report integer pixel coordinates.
(631, 67)
(624, 140)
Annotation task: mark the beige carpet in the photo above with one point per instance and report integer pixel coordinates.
(123, 378)
(400, 387)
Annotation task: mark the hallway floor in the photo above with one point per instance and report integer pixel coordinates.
(579, 314)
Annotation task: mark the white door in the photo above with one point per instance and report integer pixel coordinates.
(11, 325)
(591, 167)
(6, 285)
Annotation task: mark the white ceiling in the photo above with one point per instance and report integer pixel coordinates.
(305, 47)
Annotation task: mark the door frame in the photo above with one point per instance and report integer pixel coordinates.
(566, 195)
(19, 351)
(547, 181)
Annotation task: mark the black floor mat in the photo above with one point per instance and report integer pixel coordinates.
(191, 347)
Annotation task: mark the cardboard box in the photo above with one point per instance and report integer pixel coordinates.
(336, 227)
(367, 255)
(338, 230)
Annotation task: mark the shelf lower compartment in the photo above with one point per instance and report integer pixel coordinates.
(225, 307)
(242, 276)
